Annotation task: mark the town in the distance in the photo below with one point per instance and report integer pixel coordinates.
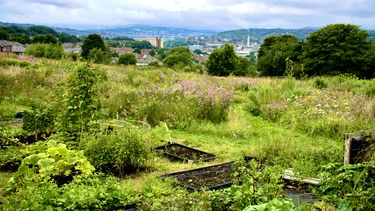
(144, 40)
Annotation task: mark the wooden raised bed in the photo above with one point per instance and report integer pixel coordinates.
(359, 147)
(184, 153)
(206, 178)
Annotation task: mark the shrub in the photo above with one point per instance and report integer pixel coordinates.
(119, 153)
(38, 120)
(319, 83)
(127, 59)
(250, 187)
(350, 186)
(49, 51)
(100, 56)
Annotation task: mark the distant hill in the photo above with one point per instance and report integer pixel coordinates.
(258, 35)
(152, 31)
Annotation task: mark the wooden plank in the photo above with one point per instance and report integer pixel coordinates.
(348, 147)
(288, 174)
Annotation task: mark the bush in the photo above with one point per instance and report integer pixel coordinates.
(49, 51)
(38, 120)
(350, 186)
(320, 83)
(127, 59)
(251, 186)
(100, 56)
(119, 153)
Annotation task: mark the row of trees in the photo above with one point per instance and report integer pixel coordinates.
(26, 35)
(334, 49)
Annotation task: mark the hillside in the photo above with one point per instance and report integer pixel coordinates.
(258, 35)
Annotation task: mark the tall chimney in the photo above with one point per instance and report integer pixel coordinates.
(248, 40)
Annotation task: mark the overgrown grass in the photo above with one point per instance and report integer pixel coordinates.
(284, 122)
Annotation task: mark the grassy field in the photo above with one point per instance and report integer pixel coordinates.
(284, 122)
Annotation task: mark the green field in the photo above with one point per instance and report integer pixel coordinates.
(284, 122)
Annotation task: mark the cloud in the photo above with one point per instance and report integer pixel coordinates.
(210, 14)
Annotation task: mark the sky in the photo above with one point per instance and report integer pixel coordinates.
(216, 15)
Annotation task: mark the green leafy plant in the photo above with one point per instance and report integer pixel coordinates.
(250, 187)
(38, 120)
(275, 204)
(119, 153)
(93, 192)
(55, 162)
(349, 187)
(80, 105)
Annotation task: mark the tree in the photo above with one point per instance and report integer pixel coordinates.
(127, 59)
(273, 53)
(45, 38)
(91, 42)
(152, 53)
(369, 71)
(197, 51)
(222, 61)
(336, 49)
(34, 30)
(178, 55)
(139, 44)
(21, 38)
(137, 50)
(4, 35)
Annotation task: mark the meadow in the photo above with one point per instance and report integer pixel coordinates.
(105, 119)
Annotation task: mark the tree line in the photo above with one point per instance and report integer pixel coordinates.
(331, 50)
(35, 34)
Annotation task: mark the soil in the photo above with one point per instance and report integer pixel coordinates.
(208, 178)
(182, 152)
(32, 139)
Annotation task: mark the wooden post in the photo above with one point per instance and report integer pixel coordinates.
(348, 148)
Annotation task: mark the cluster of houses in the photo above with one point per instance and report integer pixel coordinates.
(144, 57)
(242, 48)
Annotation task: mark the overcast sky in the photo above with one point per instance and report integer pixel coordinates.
(198, 14)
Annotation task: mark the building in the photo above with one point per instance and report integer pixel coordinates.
(11, 47)
(155, 41)
(72, 47)
(123, 50)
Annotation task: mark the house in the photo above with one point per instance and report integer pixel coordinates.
(122, 50)
(11, 47)
(72, 47)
